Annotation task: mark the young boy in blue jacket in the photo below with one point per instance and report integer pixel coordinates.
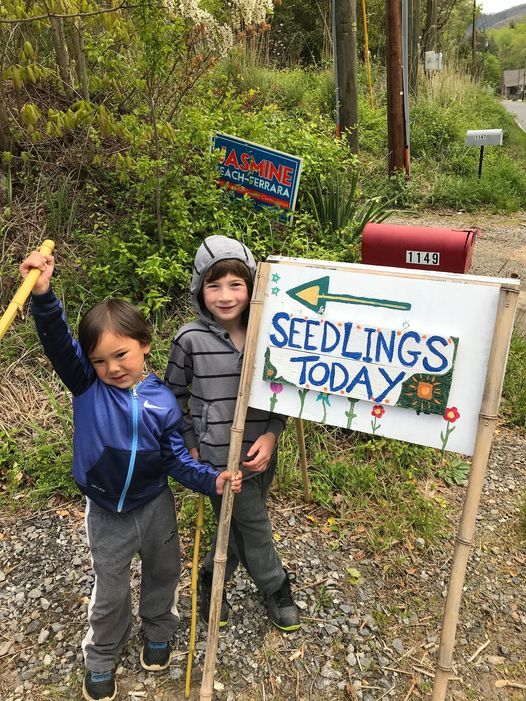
(127, 440)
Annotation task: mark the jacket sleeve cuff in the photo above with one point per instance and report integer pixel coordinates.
(276, 425)
(44, 299)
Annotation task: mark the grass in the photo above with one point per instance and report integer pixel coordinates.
(514, 390)
(384, 489)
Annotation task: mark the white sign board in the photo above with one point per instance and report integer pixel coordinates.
(433, 61)
(380, 350)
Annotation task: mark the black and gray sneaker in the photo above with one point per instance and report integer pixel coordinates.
(281, 608)
(155, 656)
(99, 686)
(205, 592)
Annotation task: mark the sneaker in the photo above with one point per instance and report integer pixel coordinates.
(281, 608)
(205, 592)
(155, 656)
(99, 686)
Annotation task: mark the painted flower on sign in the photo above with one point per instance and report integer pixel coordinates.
(376, 412)
(275, 388)
(450, 415)
(325, 401)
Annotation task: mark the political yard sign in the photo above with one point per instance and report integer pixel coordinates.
(380, 350)
(268, 176)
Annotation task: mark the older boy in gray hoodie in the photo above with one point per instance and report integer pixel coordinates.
(203, 372)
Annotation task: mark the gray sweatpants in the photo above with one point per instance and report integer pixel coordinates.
(114, 539)
(250, 539)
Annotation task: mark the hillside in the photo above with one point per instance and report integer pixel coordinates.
(497, 20)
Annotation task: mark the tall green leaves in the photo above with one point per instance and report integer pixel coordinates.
(340, 212)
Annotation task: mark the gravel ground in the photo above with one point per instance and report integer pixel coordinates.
(500, 247)
(370, 637)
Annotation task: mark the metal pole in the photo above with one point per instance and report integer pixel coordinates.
(480, 160)
(405, 84)
(474, 38)
(367, 55)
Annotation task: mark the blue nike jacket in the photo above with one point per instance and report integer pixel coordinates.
(126, 441)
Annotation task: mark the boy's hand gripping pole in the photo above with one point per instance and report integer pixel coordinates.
(17, 303)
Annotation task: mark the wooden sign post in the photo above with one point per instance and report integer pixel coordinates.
(508, 298)
(413, 355)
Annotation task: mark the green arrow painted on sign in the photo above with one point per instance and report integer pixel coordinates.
(315, 295)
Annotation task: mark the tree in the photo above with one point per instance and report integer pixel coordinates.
(300, 32)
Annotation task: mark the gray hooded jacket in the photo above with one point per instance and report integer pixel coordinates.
(204, 370)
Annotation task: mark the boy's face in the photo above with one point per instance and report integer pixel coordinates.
(119, 360)
(226, 298)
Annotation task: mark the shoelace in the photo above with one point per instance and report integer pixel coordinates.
(157, 646)
(100, 676)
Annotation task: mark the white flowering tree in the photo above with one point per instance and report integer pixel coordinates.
(95, 67)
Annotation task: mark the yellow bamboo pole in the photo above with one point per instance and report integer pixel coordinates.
(487, 419)
(300, 435)
(17, 303)
(367, 55)
(195, 566)
(236, 438)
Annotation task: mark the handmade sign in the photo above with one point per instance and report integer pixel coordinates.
(422, 360)
(268, 176)
(408, 362)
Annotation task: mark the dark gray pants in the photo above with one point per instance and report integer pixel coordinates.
(250, 540)
(114, 539)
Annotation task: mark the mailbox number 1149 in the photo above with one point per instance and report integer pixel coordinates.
(422, 258)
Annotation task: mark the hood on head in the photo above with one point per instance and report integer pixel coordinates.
(213, 249)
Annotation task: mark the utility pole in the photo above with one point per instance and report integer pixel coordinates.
(346, 68)
(474, 40)
(395, 90)
(430, 31)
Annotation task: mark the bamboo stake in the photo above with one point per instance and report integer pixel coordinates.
(300, 434)
(17, 303)
(487, 419)
(195, 565)
(236, 438)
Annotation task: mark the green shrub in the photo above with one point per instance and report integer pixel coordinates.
(514, 390)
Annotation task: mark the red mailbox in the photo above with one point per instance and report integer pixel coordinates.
(421, 247)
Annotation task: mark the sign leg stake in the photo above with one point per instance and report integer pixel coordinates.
(486, 426)
(236, 433)
(300, 434)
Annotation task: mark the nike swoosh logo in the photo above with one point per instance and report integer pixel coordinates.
(147, 405)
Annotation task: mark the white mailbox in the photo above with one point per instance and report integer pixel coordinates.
(481, 138)
(484, 137)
